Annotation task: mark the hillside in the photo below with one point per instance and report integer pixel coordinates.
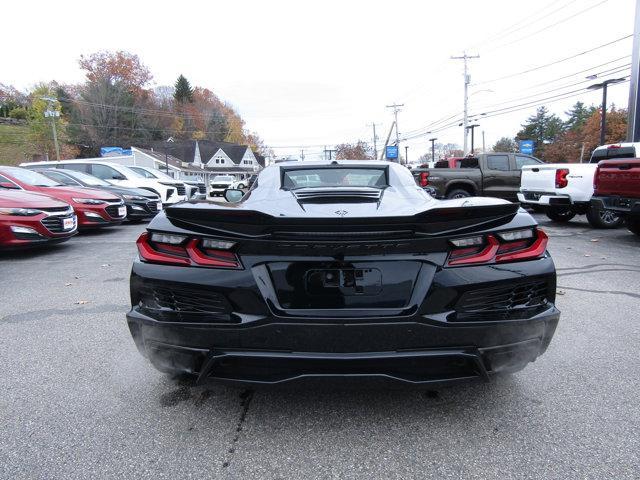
(14, 145)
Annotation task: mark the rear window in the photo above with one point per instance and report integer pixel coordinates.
(498, 162)
(334, 177)
(621, 152)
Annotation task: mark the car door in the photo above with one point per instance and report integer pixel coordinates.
(498, 176)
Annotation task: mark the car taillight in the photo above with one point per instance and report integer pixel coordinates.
(180, 250)
(595, 180)
(561, 177)
(511, 246)
(424, 179)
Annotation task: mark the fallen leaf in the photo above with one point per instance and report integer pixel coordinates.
(587, 254)
(68, 284)
(560, 292)
(82, 302)
(104, 265)
(595, 239)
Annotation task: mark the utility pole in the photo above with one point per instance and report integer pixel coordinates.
(53, 114)
(330, 152)
(406, 154)
(302, 155)
(633, 125)
(603, 114)
(433, 149)
(484, 150)
(396, 109)
(467, 80)
(387, 141)
(375, 140)
(472, 128)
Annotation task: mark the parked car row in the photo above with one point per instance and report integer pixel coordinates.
(51, 205)
(565, 190)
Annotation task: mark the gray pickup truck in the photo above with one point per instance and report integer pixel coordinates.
(488, 174)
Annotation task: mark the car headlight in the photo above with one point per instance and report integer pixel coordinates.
(88, 201)
(134, 197)
(20, 212)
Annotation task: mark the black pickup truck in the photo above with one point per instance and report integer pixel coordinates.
(488, 174)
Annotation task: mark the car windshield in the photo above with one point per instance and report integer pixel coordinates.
(334, 177)
(152, 173)
(87, 179)
(223, 178)
(128, 172)
(32, 178)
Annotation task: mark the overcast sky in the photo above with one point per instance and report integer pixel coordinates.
(308, 74)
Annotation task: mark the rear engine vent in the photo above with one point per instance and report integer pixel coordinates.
(503, 302)
(337, 193)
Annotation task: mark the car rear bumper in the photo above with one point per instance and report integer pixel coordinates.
(624, 206)
(419, 351)
(544, 198)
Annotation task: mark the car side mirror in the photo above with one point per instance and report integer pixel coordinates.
(233, 195)
(9, 185)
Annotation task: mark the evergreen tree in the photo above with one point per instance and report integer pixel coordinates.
(542, 128)
(505, 144)
(183, 91)
(578, 115)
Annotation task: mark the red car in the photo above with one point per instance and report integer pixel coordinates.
(30, 219)
(94, 208)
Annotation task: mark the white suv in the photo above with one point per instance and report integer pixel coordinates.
(119, 175)
(154, 173)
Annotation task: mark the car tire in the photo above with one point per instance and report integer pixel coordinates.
(560, 214)
(600, 218)
(458, 193)
(634, 225)
(241, 186)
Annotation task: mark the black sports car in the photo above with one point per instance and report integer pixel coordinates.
(141, 204)
(342, 269)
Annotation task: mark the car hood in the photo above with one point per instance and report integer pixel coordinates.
(130, 191)
(22, 199)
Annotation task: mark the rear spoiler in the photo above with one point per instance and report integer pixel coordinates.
(239, 222)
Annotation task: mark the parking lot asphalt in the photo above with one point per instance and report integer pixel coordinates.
(78, 401)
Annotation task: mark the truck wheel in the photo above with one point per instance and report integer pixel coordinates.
(600, 218)
(634, 225)
(458, 193)
(560, 214)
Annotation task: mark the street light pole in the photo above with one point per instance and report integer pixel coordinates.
(472, 128)
(603, 114)
(467, 81)
(406, 154)
(53, 114)
(433, 149)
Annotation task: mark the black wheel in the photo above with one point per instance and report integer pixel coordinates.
(634, 225)
(241, 186)
(560, 214)
(458, 193)
(600, 218)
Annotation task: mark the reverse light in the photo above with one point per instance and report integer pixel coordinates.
(468, 242)
(168, 238)
(89, 201)
(516, 235)
(561, 177)
(217, 244)
(20, 212)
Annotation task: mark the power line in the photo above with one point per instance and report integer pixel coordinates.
(554, 62)
(571, 17)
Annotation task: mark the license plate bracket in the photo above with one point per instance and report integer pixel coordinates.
(344, 281)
